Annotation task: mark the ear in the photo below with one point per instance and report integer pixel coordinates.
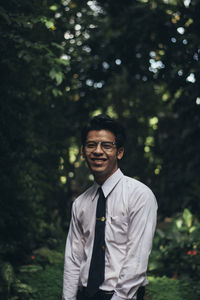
(120, 153)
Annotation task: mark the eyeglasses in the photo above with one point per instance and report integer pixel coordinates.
(106, 146)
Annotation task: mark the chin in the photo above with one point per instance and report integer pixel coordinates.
(97, 170)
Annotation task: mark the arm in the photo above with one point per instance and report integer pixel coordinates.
(73, 258)
(140, 235)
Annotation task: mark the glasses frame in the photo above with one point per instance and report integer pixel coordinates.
(101, 144)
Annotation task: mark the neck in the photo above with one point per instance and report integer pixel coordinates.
(100, 178)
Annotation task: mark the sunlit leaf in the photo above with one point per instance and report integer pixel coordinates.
(7, 273)
(187, 216)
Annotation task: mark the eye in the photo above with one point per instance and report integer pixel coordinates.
(91, 145)
(107, 145)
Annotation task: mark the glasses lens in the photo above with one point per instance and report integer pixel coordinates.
(107, 145)
(91, 145)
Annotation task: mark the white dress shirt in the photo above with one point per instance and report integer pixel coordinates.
(130, 224)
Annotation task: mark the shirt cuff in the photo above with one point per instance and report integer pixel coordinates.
(66, 298)
(115, 297)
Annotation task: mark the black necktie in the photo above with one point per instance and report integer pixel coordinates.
(97, 265)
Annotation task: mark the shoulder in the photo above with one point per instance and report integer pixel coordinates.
(84, 197)
(134, 184)
(138, 191)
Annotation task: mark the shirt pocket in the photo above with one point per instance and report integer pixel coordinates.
(116, 229)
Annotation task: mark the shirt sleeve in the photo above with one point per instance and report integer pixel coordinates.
(73, 258)
(139, 243)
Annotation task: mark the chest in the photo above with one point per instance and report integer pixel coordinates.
(117, 218)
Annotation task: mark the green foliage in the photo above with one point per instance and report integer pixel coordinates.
(47, 282)
(47, 256)
(23, 290)
(42, 279)
(162, 288)
(63, 61)
(176, 249)
(30, 268)
(152, 56)
(12, 287)
(7, 275)
(189, 288)
(53, 288)
(32, 66)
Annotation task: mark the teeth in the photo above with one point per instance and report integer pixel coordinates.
(98, 159)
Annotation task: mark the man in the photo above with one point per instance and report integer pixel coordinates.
(112, 225)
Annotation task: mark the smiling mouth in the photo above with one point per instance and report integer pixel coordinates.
(98, 159)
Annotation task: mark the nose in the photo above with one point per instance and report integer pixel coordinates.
(98, 149)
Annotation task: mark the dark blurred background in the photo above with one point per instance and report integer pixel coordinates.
(64, 61)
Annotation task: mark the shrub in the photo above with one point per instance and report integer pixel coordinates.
(162, 288)
(48, 282)
(12, 287)
(176, 251)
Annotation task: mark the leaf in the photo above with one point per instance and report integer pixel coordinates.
(49, 24)
(53, 7)
(30, 269)
(53, 256)
(62, 61)
(58, 46)
(57, 75)
(7, 273)
(193, 228)
(179, 223)
(160, 233)
(5, 15)
(187, 216)
(23, 288)
(56, 92)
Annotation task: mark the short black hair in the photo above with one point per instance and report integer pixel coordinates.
(105, 122)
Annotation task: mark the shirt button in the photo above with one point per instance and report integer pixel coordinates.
(103, 248)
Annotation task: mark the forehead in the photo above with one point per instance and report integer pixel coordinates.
(100, 135)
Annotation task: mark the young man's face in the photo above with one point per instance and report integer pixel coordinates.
(102, 159)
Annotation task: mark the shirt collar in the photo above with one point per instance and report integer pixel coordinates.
(111, 182)
(108, 185)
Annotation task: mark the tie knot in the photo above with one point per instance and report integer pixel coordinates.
(100, 192)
